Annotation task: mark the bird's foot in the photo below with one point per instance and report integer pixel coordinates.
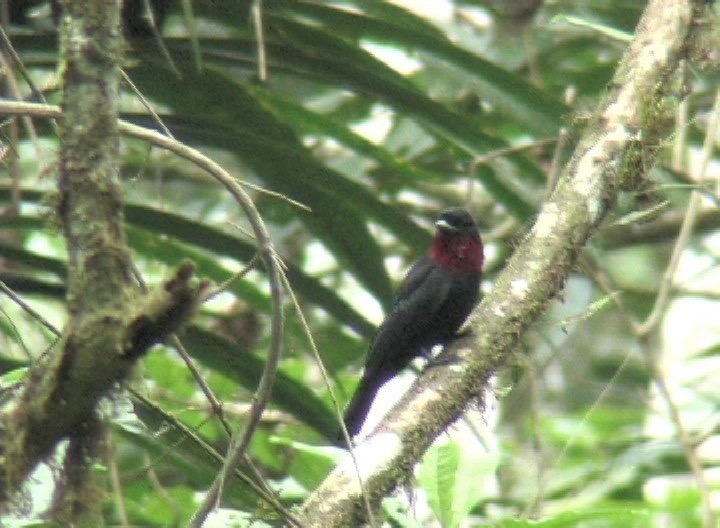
(465, 332)
(442, 360)
(426, 353)
(448, 357)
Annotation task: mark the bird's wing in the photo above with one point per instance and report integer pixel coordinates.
(417, 274)
(400, 334)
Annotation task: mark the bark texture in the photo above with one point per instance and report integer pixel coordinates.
(110, 322)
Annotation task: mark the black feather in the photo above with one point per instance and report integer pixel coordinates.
(431, 304)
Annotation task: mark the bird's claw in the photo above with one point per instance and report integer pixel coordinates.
(464, 332)
(444, 358)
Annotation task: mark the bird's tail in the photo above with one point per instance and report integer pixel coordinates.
(359, 405)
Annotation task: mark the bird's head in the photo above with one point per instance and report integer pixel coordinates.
(457, 245)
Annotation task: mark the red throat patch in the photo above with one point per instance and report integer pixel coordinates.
(463, 253)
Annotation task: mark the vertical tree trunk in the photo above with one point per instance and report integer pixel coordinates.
(61, 392)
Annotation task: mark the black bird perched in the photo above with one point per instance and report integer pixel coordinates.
(433, 301)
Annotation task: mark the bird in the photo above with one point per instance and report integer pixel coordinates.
(431, 304)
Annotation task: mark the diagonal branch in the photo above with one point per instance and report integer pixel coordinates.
(629, 118)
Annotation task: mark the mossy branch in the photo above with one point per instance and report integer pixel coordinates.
(110, 323)
(62, 393)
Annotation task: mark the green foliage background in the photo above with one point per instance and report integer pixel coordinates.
(476, 121)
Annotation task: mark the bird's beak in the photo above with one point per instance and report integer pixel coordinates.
(444, 226)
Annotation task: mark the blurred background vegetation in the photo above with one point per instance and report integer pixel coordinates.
(364, 119)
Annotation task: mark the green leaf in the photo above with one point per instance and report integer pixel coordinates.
(149, 224)
(622, 36)
(341, 65)
(315, 123)
(271, 148)
(452, 476)
(220, 243)
(189, 455)
(288, 394)
(310, 464)
(30, 259)
(536, 110)
(628, 516)
(11, 377)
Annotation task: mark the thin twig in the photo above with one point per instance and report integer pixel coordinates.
(153, 137)
(158, 38)
(260, 37)
(35, 91)
(239, 275)
(326, 379)
(663, 229)
(270, 498)
(204, 387)
(158, 486)
(658, 376)
(117, 489)
(681, 127)
(663, 296)
(686, 229)
(240, 442)
(501, 153)
(544, 475)
(644, 330)
(27, 122)
(215, 404)
(532, 380)
(146, 104)
(556, 164)
(18, 336)
(689, 447)
(25, 306)
(237, 448)
(189, 363)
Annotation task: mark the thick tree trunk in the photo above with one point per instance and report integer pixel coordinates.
(110, 322)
